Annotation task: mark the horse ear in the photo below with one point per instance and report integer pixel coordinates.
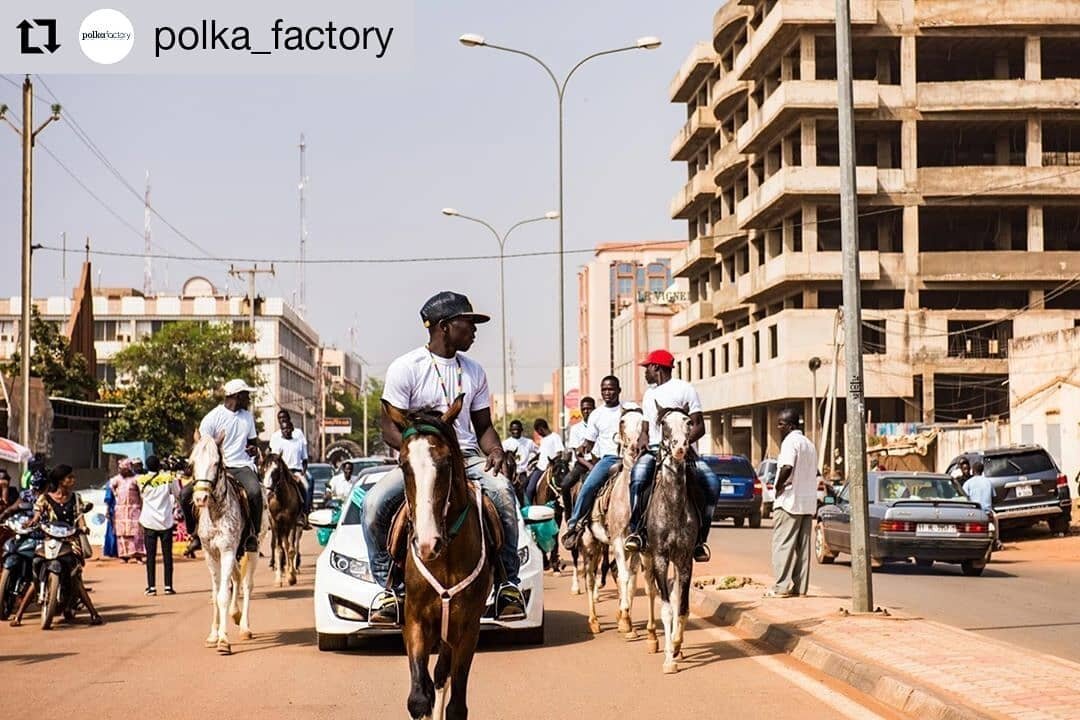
(454, 410)
(395, 415)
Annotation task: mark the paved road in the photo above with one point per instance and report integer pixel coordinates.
(148, 661)
(1028, 595)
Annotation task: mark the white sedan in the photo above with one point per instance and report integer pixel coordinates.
(345, 588)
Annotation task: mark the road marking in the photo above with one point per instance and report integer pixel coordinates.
(818, 689)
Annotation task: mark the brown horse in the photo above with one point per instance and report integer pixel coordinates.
(448, 573)
(285, 504)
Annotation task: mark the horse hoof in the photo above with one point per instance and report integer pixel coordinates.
(211, 642)
(556, 572)
(292, 580)
(654, 645)
(670, 668)
(224, 648)
(625, 627)
(594, 626)
(631, 635)
(236, 618)
(246, 635)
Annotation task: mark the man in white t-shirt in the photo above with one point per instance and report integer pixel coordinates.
(794, 508)
(551, 446)
(601, 440)
(522, 449)
(291, 445)
(582, 459)
(668, 392)
(431, 377)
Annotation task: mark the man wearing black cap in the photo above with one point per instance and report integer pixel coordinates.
(432, 376)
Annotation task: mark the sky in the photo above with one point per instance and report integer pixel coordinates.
(473, 129)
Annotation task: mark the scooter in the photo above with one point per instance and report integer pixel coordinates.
(60, 570)
(18, 563)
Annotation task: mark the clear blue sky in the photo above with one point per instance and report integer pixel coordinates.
(468, 128)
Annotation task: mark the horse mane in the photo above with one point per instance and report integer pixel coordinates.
(433, 417)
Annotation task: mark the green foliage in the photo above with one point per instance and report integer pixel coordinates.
(174, 377)
(64, 372)
(344, 405)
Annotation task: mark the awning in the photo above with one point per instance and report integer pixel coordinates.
(132, 449)
(13, 451)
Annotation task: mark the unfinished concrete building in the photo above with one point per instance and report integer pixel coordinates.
(967, 119)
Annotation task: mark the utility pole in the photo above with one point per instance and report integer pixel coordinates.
(147, 282)
(862, 594)
(251, 272)
(63, 261)
(320, 409)
(302, 307)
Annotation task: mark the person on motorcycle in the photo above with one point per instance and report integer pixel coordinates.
(59, 503)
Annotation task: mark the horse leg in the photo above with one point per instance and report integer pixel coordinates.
(294, 552)
(681, 604)
(650, 590)
(575, 582)
(590, 582)
(224, 595)
(214, 565)
(626, 625)
(442, 677)
(277, 554)
(247, 583)
(421, 689)
(667, 614)
(459, 675)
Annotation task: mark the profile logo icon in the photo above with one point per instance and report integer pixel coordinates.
(106, 36)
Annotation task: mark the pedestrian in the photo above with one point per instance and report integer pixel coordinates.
(794, 508)
(979, 489)
(160, 491)
(962, 472)
(109, 548)
(129, 537)
(551, 445)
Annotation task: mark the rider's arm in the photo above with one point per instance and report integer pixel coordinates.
(585, 448)
(697, 427)
(485, 432)
(390, 433)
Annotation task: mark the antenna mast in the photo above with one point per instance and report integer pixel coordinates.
(147, 271)
(302, 308)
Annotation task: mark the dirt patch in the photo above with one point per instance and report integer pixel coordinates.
(725, 582)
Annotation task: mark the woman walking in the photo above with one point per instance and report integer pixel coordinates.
(160, 491)
(109, 548)
(129, 537)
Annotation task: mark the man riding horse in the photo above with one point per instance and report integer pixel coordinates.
(291, 445)
(431, 377)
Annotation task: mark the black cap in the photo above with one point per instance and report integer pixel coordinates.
(448, 305)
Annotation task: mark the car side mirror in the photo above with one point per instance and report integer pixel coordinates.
(322, 518)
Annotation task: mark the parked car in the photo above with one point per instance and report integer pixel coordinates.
(318, 476)
(924, 516)
(345, 587)
(740, 489)
(767, 473)
(1028, 485)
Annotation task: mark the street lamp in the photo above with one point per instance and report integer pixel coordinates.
(501, 239)
(645, 43)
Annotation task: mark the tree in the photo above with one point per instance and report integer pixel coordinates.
(345, 405)
(64, 372)
(172, 378)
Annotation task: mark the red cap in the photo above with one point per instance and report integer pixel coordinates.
(659, 357)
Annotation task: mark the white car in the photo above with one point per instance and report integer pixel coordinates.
(766, 472)
(345, 588)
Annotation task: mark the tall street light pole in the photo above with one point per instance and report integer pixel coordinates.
(645, 43)
(501, 239)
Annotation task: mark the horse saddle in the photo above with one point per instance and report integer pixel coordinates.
(397, 539)
(603, 498)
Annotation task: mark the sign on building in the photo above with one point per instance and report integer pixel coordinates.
(337, 425)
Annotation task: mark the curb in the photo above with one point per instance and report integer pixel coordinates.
(879, 682)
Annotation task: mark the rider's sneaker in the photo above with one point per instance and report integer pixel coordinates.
(509, 603)
(570, 538)
(634, 542)
(702, 553)
(386, 609)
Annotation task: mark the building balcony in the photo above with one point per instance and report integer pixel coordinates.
(696, 318)
(995, 265)
(728, 24)
(1000, 181)
(999, 95)
(950, 14)
(803, 267)
(697, 256)
(700, 189)
(726, 232)
(727, 93)
(696, 132)
(797, 97)
(725, 301)
(694, 70)
(792, 185)
(727, 163)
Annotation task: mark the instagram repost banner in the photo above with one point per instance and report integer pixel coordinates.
(273, 37)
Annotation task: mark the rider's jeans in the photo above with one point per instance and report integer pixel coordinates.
(641, 479)
(383, 500)
(592, 485)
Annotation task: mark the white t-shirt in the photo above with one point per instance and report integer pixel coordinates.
(238, 428)
(550, 446)
(420, 379)
(522, 449)
(577, 434)
(340, 487)
(292, 450)
(800, 493)
(159, 493)
(603, 430)
(674, 393)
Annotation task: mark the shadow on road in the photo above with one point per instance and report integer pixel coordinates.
(699, 656)
(34, 659)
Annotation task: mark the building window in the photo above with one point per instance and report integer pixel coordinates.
(739, 352)
(701, 366)
(979, 339)
(712, 363)
(678, 369)
(725, 360)
(105, 373)
(757, 347)
(104, 330)
(873, 337)
(7, 331)
(774, 341)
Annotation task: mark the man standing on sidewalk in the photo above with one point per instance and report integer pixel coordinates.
(794, 508)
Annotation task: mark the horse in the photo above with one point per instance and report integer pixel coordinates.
(447, 563)
(610, 529)
(671, 523)
(285, 504)
(548, 489)
(221, 518)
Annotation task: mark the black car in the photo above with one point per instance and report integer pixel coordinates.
(924, 516)
(740, 489)
(1028, 485)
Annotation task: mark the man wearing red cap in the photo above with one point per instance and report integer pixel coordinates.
(668, 392)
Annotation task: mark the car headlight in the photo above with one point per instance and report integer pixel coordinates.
(523, 555)
(359, 569)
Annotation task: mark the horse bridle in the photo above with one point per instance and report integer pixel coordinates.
(421, 429)
(661, 448)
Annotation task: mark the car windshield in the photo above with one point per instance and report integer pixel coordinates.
(918, 488)
(320, 472)
(355, 506)
(1025, 463)
(731, 467)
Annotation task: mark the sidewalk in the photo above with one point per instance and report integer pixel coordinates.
(922, 668)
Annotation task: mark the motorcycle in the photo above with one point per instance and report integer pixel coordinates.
(59, 573)
(18, 563)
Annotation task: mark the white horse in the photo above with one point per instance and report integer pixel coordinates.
(220, 528)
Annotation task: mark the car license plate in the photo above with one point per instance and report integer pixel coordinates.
(1023, 491)
(727, 489)
(937, 529)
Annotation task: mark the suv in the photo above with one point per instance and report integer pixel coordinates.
(740, 489)
(1028, 485)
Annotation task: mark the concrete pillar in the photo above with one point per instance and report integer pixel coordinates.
(808, 132)
(809, 228)
(1001, 65)
(909, 152)
(1037, 299)
(757, 415)
(787, 241)
(786, 68)
(1034, 142)
(928, 396)
(1033, 58)
(911, 257)
(883, 67)
(807, 57)
(772, 443)
(907, 70)
(787, 151)
(1035, 239)
(727, 443)
(884, 152)
(885, 233)
(1001, 148)
(810, 299)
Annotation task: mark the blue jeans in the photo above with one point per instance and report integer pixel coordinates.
(641, 480)
(383, 500)
(593, 482)
(532, 485)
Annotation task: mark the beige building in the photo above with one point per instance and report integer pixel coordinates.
(285, 345)
(634, 282)
(344, 371)
(968, 134)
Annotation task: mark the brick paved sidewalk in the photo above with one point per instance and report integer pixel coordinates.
(920, 667)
